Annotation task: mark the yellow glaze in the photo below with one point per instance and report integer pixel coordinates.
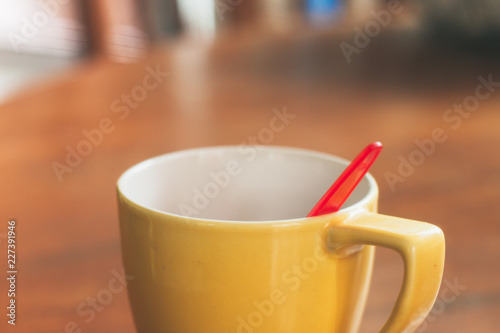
(304, 275)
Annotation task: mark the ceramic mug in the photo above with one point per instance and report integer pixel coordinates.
(217, 241)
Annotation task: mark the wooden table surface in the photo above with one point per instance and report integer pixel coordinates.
(396, 91)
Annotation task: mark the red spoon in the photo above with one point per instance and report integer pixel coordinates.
(338, 193)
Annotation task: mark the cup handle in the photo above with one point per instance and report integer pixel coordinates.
(422, 248)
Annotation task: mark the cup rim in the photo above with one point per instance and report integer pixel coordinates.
(363, 202)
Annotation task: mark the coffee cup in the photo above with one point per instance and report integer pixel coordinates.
(217, 241)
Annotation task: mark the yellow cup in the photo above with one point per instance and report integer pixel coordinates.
(218, 242)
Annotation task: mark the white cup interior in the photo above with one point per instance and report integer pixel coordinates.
(243, 183)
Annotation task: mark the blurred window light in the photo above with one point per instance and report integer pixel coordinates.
(198, 18)
(42, 26)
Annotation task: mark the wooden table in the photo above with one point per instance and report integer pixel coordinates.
(396, 90)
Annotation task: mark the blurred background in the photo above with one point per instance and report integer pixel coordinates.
(168, 75)
(40, 37)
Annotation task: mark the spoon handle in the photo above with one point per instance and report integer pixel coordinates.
(338, 193)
